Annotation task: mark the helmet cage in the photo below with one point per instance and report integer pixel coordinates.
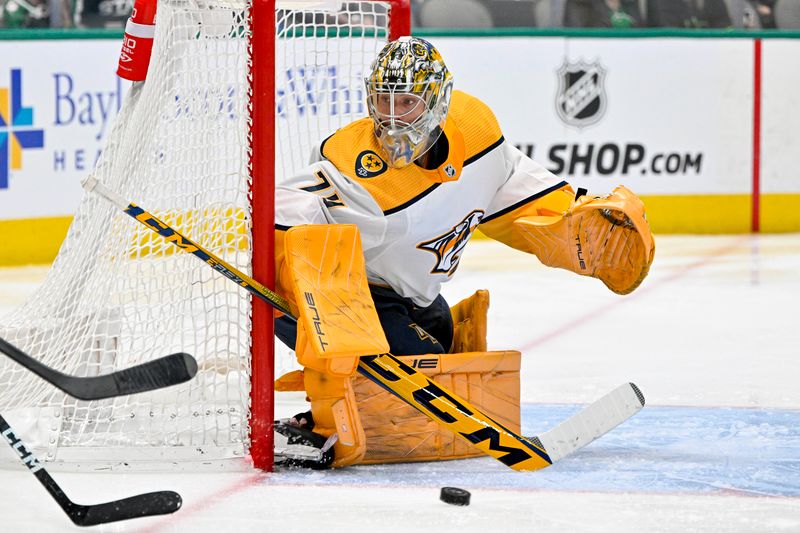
(408, 95)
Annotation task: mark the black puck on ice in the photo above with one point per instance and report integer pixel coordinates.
(454, 496)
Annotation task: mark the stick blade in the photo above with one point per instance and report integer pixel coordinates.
(150, 504)
(163, 372)
(594, 421)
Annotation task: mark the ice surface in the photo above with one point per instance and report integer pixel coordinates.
(711, 337)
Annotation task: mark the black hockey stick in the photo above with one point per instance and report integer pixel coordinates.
(150, 504)
(163, 372)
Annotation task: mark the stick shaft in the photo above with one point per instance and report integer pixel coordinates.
(36, 468)
(41, 370)
(181, 241)
(149, 504)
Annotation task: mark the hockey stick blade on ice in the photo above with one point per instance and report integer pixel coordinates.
(591, 422)
(416, 389)
(163, 372)
(150, 504)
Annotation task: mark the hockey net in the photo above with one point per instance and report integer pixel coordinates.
(118, 295)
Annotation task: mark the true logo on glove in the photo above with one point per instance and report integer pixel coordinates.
(579, 252)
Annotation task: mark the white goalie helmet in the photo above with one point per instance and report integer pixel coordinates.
(408, 95)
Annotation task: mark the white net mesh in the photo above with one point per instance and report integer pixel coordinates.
(119, 295)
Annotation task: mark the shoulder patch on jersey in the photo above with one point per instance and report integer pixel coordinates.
(369, 164)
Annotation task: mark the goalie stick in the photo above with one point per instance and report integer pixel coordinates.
(430, 398)
(149, 504)
(163, 372)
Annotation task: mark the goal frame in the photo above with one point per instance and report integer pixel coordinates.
(261, 139)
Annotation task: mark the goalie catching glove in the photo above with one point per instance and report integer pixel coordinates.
(603, 237)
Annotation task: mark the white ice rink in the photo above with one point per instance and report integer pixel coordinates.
(712, 338)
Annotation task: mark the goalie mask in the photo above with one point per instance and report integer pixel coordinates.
(408, 94)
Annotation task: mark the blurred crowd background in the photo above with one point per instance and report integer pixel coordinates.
(738, 14)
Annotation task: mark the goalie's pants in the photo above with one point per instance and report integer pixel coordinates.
(410, 330)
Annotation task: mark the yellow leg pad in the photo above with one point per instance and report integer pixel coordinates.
(329, 283)
(290, 382)
(309, 357)
(469, 323)
(396, 432)
(334, 409)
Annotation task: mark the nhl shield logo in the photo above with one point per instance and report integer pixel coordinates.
(581, 97)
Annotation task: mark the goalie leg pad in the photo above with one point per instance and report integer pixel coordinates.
(469, 323)
(377, 427)
(309, 357)
(396, 432)
(333, 406)
(293, 381)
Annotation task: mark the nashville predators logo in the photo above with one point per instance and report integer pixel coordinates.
(369, 164)
(448, 247)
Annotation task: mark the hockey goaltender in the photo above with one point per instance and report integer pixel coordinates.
(368, 232)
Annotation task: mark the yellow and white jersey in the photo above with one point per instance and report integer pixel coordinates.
(414, 223)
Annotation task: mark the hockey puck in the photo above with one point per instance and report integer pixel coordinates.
(454, 496)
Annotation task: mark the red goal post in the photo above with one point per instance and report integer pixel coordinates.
(262, 163)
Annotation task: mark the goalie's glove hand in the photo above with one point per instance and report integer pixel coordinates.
(604, 237)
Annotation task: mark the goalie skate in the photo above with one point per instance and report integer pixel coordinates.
(299, 447)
